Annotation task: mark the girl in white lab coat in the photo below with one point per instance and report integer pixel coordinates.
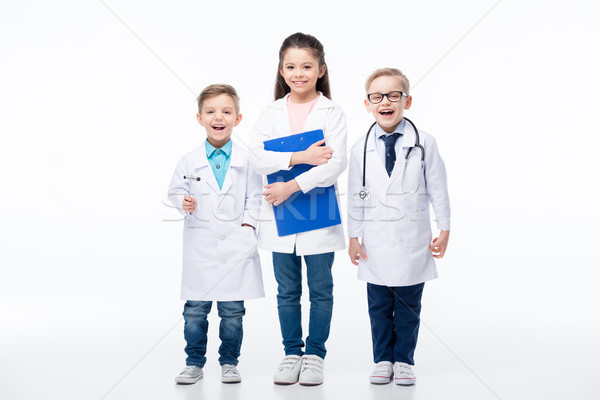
(302, 103)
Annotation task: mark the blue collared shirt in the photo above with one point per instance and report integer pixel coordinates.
(219, 160)
(380, 144)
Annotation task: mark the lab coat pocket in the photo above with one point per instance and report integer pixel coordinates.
(199, 245)
(250, 234)
(419, 229)
(242, 243)
(382, 266)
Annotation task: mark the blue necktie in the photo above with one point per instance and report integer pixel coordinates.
(390, 152)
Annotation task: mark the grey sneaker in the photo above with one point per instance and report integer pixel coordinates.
(191, 374)
(230, 374)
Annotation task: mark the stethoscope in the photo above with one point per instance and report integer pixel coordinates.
(364, 193)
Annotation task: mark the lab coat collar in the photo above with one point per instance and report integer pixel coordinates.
(199, 161)
(235, 161)
(373, 161)
(236, 155)
(408, 138)
(379, 132)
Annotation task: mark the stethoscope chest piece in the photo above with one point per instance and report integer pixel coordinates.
(364, 194)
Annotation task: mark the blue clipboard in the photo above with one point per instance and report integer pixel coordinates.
(302, 212)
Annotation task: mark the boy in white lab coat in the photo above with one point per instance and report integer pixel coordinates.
(388, 209)
(221, 197)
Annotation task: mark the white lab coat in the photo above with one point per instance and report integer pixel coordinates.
(395, 228)
(274, 123)
(220, 257)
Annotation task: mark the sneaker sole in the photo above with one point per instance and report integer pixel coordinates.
(188, 381)
(284, 383)
(405, 381)
(310, 383)
(380, 380)
(236, 380)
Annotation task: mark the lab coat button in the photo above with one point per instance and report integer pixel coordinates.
(222, 237)
(221, 211)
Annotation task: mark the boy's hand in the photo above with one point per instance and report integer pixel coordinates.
(189, 204)
(278, 192)
(356, 251)
(316, 154)
(439, 244)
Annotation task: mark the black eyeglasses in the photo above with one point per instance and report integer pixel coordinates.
(394, 96)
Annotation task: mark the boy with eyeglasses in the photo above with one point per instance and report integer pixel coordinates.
(388, 208)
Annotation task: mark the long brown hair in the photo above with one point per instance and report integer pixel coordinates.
(302, 41)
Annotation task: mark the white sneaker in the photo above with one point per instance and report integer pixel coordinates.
(288, 370)
(311, 373)
(230, 374)
(382, 373)
(403, 374)
(191, 374)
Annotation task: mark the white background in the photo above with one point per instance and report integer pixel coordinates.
(97, 104)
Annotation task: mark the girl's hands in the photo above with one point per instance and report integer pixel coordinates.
(278, 192)
(356, 251)
(189, 204)
(316, 154)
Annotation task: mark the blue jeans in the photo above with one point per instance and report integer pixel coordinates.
(395, 319)
(288, 273)
(196, 327)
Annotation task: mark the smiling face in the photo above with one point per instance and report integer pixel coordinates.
(218, 117)
(388, 114)
(300, 70)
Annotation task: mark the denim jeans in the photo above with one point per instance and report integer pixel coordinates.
(288, 273)
(395, 319)
(196, 327)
